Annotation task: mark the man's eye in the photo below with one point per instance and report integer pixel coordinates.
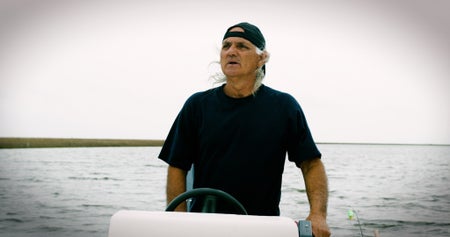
(225, 46)
(242, 46)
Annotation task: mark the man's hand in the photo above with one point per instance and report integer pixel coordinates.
(319, 226)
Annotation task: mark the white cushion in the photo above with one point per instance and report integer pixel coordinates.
(191, 224)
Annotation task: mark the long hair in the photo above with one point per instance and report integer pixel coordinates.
(218, 77)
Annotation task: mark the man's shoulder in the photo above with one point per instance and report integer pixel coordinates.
(279, 95)
(200, 95)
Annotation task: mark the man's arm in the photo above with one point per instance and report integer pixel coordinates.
(317, 190)
(176, 185)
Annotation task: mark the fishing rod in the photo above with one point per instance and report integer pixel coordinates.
(351, 213)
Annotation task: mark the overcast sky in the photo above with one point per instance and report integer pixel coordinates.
(363, 71)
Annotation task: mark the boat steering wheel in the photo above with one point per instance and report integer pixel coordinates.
(209, 206)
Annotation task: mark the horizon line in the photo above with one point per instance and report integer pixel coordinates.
(49, 142)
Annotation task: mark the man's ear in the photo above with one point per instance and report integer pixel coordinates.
(264, 58)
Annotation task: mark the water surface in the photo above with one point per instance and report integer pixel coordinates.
(399, 190)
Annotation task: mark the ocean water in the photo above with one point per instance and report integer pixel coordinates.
(398, 190)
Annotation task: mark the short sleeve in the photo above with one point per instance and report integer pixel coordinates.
(301, 145)
(179, 148)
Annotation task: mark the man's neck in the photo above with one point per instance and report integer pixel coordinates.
(237, 88)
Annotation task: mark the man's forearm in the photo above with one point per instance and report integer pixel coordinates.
(316, 186)
(176, 185)
(317, 190)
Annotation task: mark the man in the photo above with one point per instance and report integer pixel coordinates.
(237, 136)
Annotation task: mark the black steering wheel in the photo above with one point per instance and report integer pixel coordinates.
(210, 204)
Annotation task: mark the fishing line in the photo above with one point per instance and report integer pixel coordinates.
(359, 223)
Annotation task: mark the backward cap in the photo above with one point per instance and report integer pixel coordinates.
(251, 33)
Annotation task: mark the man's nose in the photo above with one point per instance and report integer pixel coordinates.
(232, 50)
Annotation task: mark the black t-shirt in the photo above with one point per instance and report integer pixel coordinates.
(239, 145)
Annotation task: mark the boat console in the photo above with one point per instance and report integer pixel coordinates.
(204, 224)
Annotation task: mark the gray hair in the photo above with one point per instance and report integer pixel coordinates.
(219, 77)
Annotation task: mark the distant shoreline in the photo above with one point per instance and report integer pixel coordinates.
(20, 142)
(12, 142)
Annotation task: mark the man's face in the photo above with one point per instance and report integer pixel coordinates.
(238, 57)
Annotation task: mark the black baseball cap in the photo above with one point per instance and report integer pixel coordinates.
(251, 33)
